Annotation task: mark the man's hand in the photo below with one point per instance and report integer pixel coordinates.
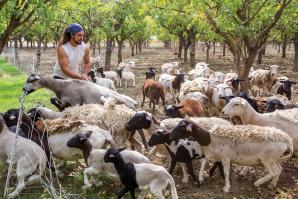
(84, 77)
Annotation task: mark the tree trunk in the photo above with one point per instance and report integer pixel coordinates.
(16, 53)
(93, 48)
(132, 49)
(185, 53)
(38, 56)
(31, 43)
(260, 55)
(136, 47)
(45, 46)
(214, 46)
(140, 45)
(192, 49)
(98, 47)
(278, 48)
(109, 50)
(284, 47)
(237, 61)
(207, 53)
(10, 43)
(120, 45)
(20, 41)
(224, 50)
(295, 68)
(180, 46)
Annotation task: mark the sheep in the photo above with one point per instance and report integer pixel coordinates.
(187, 107)
(170, 68)
(242, 144)
(140, 176)
(95, 62)
(272, 105)
(218, 77)
(150, 73)
(263, 79)
(172, 84)
(286, 120)
(184, 152)
(28, 131)
(108, 83)
(153, 90)
(28, 157)
(126, 76)
(221, 90)
(286, 88)
(108, 74)
(95, 157)
(39, 113)
(126, 66)
(234, 84)
(204, 71)
(75, 92)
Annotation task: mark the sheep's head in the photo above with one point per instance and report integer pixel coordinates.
(172, 110)
(11, 117)
(159, 137)
(78, 141)
(32, 83)
(235, 107)
(140, 120)
(113, 154)
(34, 114)
(273, 104)
(100, 71)
(92, 75)
(182, 130)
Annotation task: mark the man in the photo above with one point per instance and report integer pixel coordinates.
(72, 51)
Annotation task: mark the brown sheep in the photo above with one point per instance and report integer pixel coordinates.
(187, 107)
(153, 90)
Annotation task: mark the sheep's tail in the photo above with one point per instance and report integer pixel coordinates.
(291, 149)
(173, 187)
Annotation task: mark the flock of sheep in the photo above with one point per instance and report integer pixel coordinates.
(97, 124)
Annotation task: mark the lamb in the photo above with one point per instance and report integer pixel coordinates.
(95, 62)
(140, 176)
(218, 77)
(154, 91)
(286, 120)
(75, 92)
(286, 88)
(221, 90)
(95, 157)
(187, 107)
(126, 76)
(184, 152)
(107, 74)
(172, 84)
(242, 144)
(28, 158)
(108, 83)
(126, 66)
(272, 105)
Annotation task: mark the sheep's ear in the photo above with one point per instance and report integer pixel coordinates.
(122, 149)
(293, 82)
(148, 117)
(189, 128)
(179, 107)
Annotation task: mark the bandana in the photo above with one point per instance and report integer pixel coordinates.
(74, 28)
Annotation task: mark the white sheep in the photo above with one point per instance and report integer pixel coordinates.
(95, 157)
(28, 158)
(126, 76)
(106, 82)
(107, 74)
(126, 66)
(286, 120)
(170, 68)
(221, 90)
(242, 144)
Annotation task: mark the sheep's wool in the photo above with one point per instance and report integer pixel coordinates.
(251, 133)
(61, 125)
(209, 122)
(170, 123)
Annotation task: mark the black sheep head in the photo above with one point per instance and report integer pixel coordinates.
(113, 154)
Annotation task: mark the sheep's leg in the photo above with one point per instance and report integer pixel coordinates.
(125, 83)
(153, 109)
(33, 179)
(277, 171)
(88, 170)
(185, 174)
(226, 166)
(122, 192)
(191, 171)
(172, 166)
(152, 151)
(141, 132)
(142, 194)
(133, 193)
(202, 168)
(269, 176)
(134, 83)
(221, 170)
(244, 171)
(156, 188)
(19, 188)
(143, 99)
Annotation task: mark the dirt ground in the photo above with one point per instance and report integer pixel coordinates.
(241, 186)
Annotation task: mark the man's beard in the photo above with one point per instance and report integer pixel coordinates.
(78, 42)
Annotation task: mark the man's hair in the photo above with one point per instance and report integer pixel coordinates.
(69, 32)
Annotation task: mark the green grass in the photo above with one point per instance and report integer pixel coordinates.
(11, 83)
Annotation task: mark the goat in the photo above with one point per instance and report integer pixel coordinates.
(153, 90)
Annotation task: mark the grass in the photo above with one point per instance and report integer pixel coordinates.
(11, 83)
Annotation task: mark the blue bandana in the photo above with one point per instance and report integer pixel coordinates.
(74, 28)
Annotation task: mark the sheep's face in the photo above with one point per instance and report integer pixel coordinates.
(235, 107)
(32, 83)
(182, 130)
(34, 114)
(273, 104)
(140, 120)
(113, 154)
(79, 140)
(172, 111)
(11, 117)
(159, 137)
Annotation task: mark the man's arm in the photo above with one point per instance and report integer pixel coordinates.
(63, 62)
(86, 62)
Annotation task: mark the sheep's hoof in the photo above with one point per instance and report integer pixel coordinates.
(226, 189)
